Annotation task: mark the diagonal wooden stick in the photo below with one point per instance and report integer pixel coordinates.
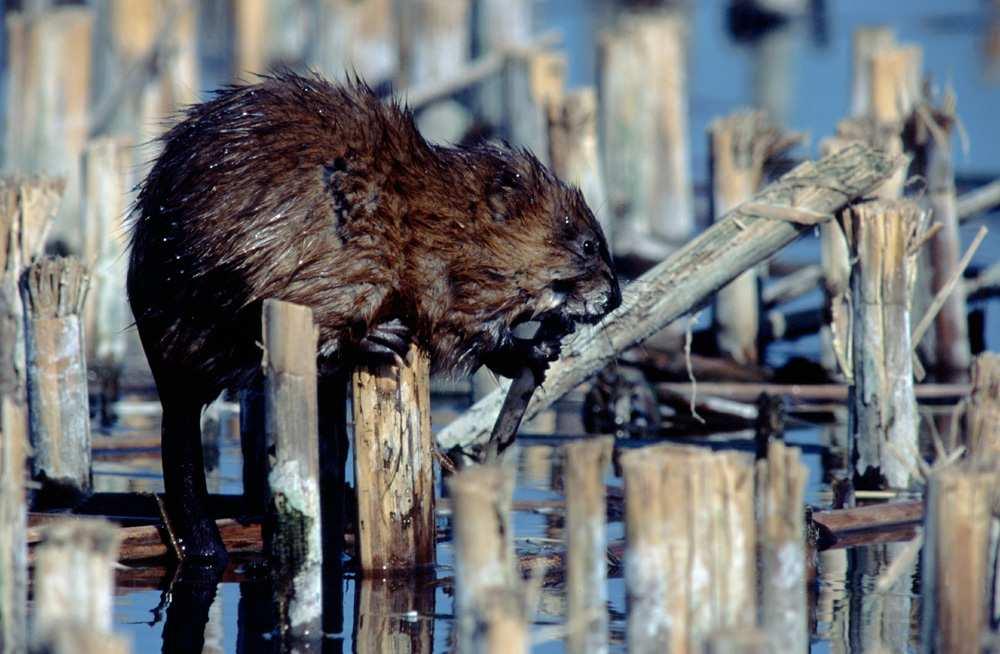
(685, 280)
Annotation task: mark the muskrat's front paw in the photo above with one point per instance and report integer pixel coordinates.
(388, 339)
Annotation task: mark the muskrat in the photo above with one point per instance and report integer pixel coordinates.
(321, 194)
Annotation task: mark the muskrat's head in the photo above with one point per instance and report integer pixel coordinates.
(562, 265)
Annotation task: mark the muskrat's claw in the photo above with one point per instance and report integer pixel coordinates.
(387, 339)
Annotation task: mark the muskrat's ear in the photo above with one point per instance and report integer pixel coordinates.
(504, 195)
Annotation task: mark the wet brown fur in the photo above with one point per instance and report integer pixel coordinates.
(321, 194)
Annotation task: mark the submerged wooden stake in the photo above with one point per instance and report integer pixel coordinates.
(983, 413)
(293, 536)
(748, 235)
(952, 353)
(643, 95)
(394, 465)
(784, 609)
(741, 145)
(956, 577)
(882, 406)
(53, 291)
(108, 178)
(690, 538)
(489, 608)
(74, 578)
(47, 96)
(26, 210)
(573, 150)
(586, 545)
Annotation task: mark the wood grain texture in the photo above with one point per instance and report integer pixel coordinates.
(687, 279)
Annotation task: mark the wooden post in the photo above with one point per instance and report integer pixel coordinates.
(573, 150)
(74, 578)
(586, 545)
(680, 593)
(867, 41)
(488, 609)
(532, 83)
(741, 145)
(643, 95)
(47, 101)
(983, 415)
(26, 210)
(956, 575)
(148, 70)
(499, 25)
(108, 180)
(685, 280)
(434, 41)
(738, 641)
(14, 518)
(355, 36)
(250, 21)
(53, 291)
(882, 407)
(394, 466)
(784, 610)
(952, 354)
(293, 535)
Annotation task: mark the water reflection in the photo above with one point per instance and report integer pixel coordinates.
(856, 615)
(394, 615)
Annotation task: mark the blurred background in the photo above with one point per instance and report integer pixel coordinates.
(619, 97)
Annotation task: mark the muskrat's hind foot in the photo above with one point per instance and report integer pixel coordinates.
(388, 339)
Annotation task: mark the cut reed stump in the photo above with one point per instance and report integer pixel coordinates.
(957, 572)
(13, 517)
(741, 145)
(490, 607)
(108, 178)
(293, 535)
(643, 96)
(883, 423)
(932, 136)
(748, 235)
(355, 36)
(394, 466)
(586, 545)
(47, 100)
(26, 211)
(784, 609)
(573, 149)
(690, 543)
(53, 290)
(982, 418)
(74, 588)
(499, 25)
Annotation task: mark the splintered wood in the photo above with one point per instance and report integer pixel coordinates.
(490, 607)
(394, 465)
(781, 481)
(685, 280)
(741, 146)
(690, 546)
(586, 545)
(882, 407)
(983, 412)
(53, 291)
(957, 567)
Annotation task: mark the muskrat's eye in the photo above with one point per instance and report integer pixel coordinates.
(589, 247)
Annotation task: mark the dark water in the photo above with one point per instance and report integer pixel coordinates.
(813, 58)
